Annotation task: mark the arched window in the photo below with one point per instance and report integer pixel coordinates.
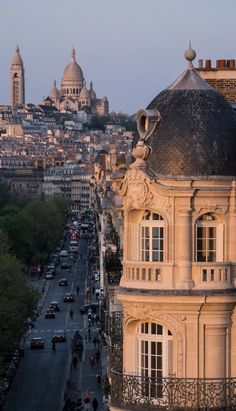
(152, 237)
(154, 356)
(209, 239)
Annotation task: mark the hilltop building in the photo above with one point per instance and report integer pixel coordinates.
(178, 288)
(73, 94)
(17, 80)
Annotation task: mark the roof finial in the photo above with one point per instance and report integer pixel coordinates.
(73, 54)
(55, 83)
(17, 48)
(190, 55)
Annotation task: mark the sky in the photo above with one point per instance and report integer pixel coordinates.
(130, 49)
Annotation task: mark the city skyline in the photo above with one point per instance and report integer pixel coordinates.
(131, 51)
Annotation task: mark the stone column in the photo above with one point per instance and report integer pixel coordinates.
(215, 351)
(183, 248)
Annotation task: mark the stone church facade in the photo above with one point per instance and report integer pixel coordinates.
(178, 288)
(73, 94)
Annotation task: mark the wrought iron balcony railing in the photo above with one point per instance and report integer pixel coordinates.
(132, 392)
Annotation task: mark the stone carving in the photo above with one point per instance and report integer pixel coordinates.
(144, 312)
(137, 186)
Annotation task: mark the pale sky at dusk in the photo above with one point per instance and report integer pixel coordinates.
(131, 49)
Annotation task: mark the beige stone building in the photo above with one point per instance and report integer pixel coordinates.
(178, 287)
(17, 80)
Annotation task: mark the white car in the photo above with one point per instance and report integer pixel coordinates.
(63, 253)
(48, 276)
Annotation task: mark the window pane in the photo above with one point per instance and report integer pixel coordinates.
(153, 347)
(159, 362)
(159, 329)
(155, 232)
(153, 328)
(212, 256)
(153, 362)
(159, 348)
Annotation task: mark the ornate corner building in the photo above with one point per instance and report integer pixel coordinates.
(178, 287)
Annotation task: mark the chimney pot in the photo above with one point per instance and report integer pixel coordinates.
(231, 63)
(200, 63)
(218, 64)
(208, 64)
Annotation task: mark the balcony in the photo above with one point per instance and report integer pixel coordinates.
(212, 275)
(146, 274)
(132, 392)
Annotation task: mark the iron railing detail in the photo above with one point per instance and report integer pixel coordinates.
(144, 393)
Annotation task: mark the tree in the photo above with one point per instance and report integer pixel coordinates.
(17, 299)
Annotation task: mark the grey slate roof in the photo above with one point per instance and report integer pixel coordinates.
(197, 133)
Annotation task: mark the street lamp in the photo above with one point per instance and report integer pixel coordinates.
(89, 328)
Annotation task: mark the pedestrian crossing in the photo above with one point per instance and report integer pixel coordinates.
(71, 329)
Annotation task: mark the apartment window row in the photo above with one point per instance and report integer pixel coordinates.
(209, 238)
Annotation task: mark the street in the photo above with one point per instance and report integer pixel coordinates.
(40, 380)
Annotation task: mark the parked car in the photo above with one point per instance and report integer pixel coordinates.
(62, 282)
(48, 276)
(54, 305)
(59, 336)
(50, 313)
(69, 297)
(37, 342)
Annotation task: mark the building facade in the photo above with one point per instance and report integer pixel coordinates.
(221, 77)
(17, 80)
(178, 287)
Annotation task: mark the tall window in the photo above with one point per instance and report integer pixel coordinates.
(154, 357)
(209, 239)
(152, 233)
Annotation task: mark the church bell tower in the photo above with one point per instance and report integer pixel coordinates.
(17, 80)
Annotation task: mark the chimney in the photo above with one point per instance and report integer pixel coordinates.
(223, 62)
(200, 63)
(231, 63)
(208, 64)
(218, 64)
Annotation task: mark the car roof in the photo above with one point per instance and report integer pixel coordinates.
(54, 302)
(36, 338)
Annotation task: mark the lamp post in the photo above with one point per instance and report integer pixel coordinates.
(89, 329)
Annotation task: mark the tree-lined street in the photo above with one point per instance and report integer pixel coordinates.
(41, 378)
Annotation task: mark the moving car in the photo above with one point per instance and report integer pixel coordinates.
(50, 313)
(65, 266)
(62, 281)
(37, 342)
(52, 268)
(69, 297)
(59, 336)
(54, 305)
(48, 276)
(63, 253)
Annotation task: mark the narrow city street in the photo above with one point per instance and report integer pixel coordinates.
(42, 374)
